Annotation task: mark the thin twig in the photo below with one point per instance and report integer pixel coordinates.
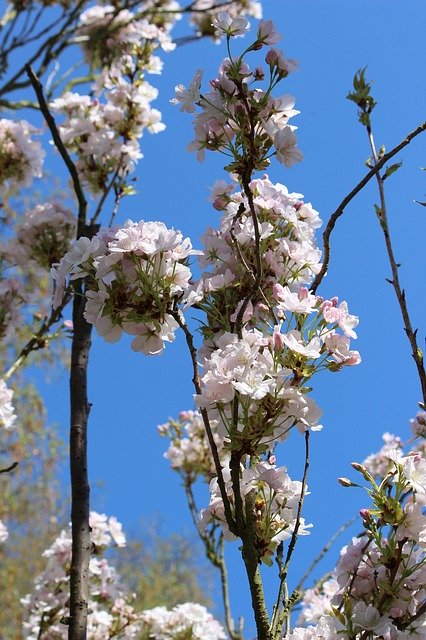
(37, 341)
(395, 282)
(341, 208)
(216, 557)
(47, 46)
(197, 386)
(323, 552)
(10, 468)
(105, 194)
(279, 619)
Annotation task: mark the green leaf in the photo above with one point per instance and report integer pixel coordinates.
(390, 170)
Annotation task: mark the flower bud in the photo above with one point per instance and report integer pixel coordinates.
(365, 514)
(345, 482)
(360, 467)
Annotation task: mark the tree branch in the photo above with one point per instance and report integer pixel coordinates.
(72, 169)
(341, 208)
(80, 491)
(399, 292)
(279, 619)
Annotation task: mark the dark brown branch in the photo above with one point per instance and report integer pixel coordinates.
(341, 208)
(197, 386)
(80, 491)
(72, 169)
(46, 47)
(10, 468)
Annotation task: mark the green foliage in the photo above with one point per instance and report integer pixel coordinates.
(163, 571)
(30, 504)
(362, 97)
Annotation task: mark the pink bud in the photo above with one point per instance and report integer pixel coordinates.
(278, 291)
(303, 293)
(271, 57)
(220, 203)
(345, 482)
(272, 460)
(277, 338)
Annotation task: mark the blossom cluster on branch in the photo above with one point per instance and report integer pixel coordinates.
(135, 277)
(111, 613)
(379, 585)
(21, 155)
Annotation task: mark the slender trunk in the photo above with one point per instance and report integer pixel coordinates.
(79, 577)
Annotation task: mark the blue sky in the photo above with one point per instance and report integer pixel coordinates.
(131, 393)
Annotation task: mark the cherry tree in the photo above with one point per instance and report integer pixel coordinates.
(264, 334)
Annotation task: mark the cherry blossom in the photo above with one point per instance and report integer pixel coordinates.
(44, 234)
(274, 499)
(187, 97)
(188, 620)
(7, 412)
(21, 156)
(135, 275)
(189, 451)
(110, 611)
(223, 21)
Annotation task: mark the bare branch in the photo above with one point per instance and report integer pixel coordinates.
(341, 208)
(82, 203)
(382, 216)
(10, 468)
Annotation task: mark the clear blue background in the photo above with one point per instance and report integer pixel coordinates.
(131, 393)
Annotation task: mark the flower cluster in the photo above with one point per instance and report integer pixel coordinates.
(237, 114)
(104, 135)
(112, 37)
(21, 157)
(381, 463)
(266, 334)
(379, 585)
(418, 425)
(190, 621)
(43, 235)
(110, 614)
(189, 451)
(7, 412)
(104, 131)
(207, 14)
(271, 496)
(135, 277)
(249, 372)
